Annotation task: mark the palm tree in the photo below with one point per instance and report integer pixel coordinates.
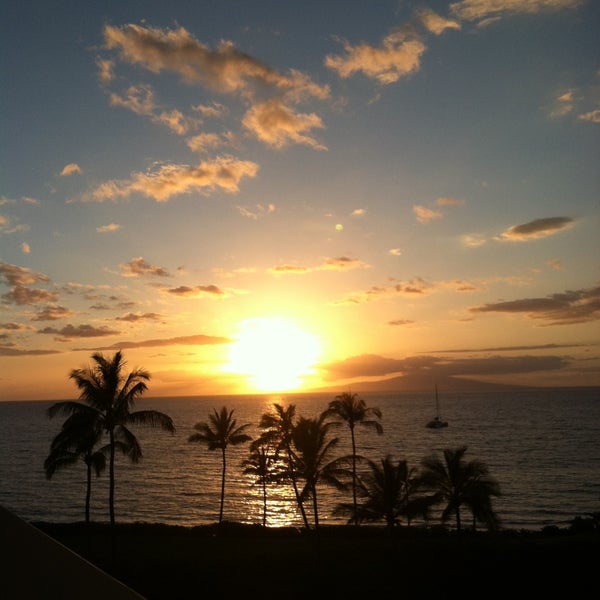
(220, 432)
(277, 427)
(312, 457)
(352, 410)
(261, 464)
(77, 441)
(456, 483)
(110, 395)
(390, 492)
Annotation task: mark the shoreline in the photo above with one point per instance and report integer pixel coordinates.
(236, 560)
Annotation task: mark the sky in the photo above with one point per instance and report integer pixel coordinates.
(257, 196)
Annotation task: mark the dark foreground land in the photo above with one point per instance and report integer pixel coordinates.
(242, 561)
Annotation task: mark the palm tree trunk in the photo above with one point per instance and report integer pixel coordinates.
(296, 492)
(222, 486)
(88, 491)
(315, 506)
(354, 503)
(264, 490)
(458, 518)
(111, 478)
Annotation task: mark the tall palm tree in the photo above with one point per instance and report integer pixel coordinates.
(76, 441)
(312, 458)
(390, 492)
(456, 482)
(277, 427)
(352, 410)
(110, 395)
(220, 432)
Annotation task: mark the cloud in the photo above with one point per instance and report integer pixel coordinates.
(6, 351)
(536, 229)
(398, 56)
(340, 263)
(426, 215)
(256, 212)
(372, 365)
(7, 227)
(473, 240)
(53, 313)
(508, 348)
(399, 322)
(359, 212)
(197, 291)
(225, 69)
(140, 100)
(25, 248)
(110, 228)
(80, 331)
(434, 23)
(21, 295)
(71, 169)
(223, 173)
(395, 251)
(138, 267)
(189, 340)
(449, 201)
(484, 11)
(579, 306)
(204, 142)
(137, 317)
(105, 70)
(278, 125)
(592, 116)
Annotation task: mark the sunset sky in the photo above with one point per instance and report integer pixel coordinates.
(259, 195)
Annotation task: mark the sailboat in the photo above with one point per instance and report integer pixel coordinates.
(436, 422)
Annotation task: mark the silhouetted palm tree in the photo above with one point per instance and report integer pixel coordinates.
(456, 482)
(220, 432)
(111, 395)
(312, 458)
(352, 410)
(76, 441)
(390, 492)
(265, 468)
(277, 428)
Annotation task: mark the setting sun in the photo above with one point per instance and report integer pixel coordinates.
(273, 353)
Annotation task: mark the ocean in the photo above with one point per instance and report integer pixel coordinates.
(542, 446)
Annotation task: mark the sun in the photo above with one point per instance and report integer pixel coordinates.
(273, 354)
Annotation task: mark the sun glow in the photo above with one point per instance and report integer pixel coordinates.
(273, 354)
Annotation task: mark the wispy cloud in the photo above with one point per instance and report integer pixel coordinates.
(372, 365)
(435, 23)
(110, 228)
(198, 291)
(539, 228)
(486, 11)
(224, 69)
(80, 331)
(398, 56)
(71, 169)
(426, 215)
(578, 306)
(138, 267)
(162, 184)
(139, 317)
(188, 340)
(278, 125)
(340, 263)
(53, 312)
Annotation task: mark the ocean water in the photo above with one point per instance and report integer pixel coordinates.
(542, 446)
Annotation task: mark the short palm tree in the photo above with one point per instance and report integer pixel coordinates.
(221, 431)
(390, 492)
(352, 410)
(277, 428)
(77, 441)
(313, 462)
(264, 467)
(456, 482)
(108, 395)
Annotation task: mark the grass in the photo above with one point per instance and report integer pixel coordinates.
(245, 561)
